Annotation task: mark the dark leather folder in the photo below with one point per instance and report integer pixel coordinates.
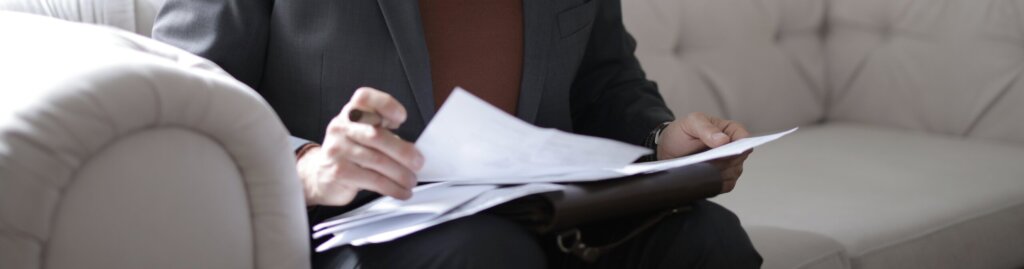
(589, 202)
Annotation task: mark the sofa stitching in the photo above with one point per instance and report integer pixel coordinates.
(59, 124)
(992, 102)
(840, 93)
(906, 86)
(14, 233)
(38, 145)
(979, 116)
(86, 159)
(805, 77)
(1016, 17)
(715, 91)
(112, 141)
(824, 31)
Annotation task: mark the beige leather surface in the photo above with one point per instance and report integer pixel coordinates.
(759, 62)
(72, 92)
(946, 66)
(943, 66)
(159, 198)
(131, 15)
(115, 13)
(894, 198)
(901, 189)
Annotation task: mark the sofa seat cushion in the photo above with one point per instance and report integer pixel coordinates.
(892, 198)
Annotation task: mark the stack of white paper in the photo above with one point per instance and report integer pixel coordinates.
(483, 158)
(386, 219)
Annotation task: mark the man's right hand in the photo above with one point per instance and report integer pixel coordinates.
(358, 156)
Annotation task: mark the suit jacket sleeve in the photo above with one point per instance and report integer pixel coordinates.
(611, 96)
(231, 33)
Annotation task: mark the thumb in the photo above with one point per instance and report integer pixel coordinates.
(700, 126)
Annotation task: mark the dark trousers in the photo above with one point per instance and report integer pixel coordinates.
(709, 236)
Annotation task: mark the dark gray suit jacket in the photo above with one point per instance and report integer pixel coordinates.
(307, 57)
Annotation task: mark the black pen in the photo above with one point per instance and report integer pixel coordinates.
(366, 117)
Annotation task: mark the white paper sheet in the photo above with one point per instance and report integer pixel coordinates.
(469, 139)
(734, 148)
(486, 200)
(387, 229)
(379, 206)
(432, 201)
(346, 237)
(474, 147)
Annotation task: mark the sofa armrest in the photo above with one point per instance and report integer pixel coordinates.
(130, 15)
(147, 152)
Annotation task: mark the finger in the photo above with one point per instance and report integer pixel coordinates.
(734, 130)
(359, 116)
(738, 160)
(730, 178)
(700, 126)
(342, 149)
(352, 175)
(384, 141)
(676, 142)
(735, 172)
(746, 154)
(374, 160)
(728, 167)
(376, 101)
(728, 186)
(721, 164)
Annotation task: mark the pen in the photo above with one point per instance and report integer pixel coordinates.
(366, 117)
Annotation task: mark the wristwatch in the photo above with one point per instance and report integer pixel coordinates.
(653, 140)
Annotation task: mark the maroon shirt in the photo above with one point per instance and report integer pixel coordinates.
(477, 45)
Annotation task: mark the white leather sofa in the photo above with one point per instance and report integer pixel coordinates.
(911, 147)
(911, 151)
(117, 151)
(130, 15)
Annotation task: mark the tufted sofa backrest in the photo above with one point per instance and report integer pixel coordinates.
(941, 66)
(944, 66)
(759, 62)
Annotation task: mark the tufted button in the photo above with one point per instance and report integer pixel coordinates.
(677, 49)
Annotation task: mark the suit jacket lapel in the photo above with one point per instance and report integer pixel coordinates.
(404, 23)
(537, 31)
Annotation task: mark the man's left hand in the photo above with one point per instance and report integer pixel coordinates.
(698, 132)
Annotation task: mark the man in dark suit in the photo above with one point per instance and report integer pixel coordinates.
(565, 64)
